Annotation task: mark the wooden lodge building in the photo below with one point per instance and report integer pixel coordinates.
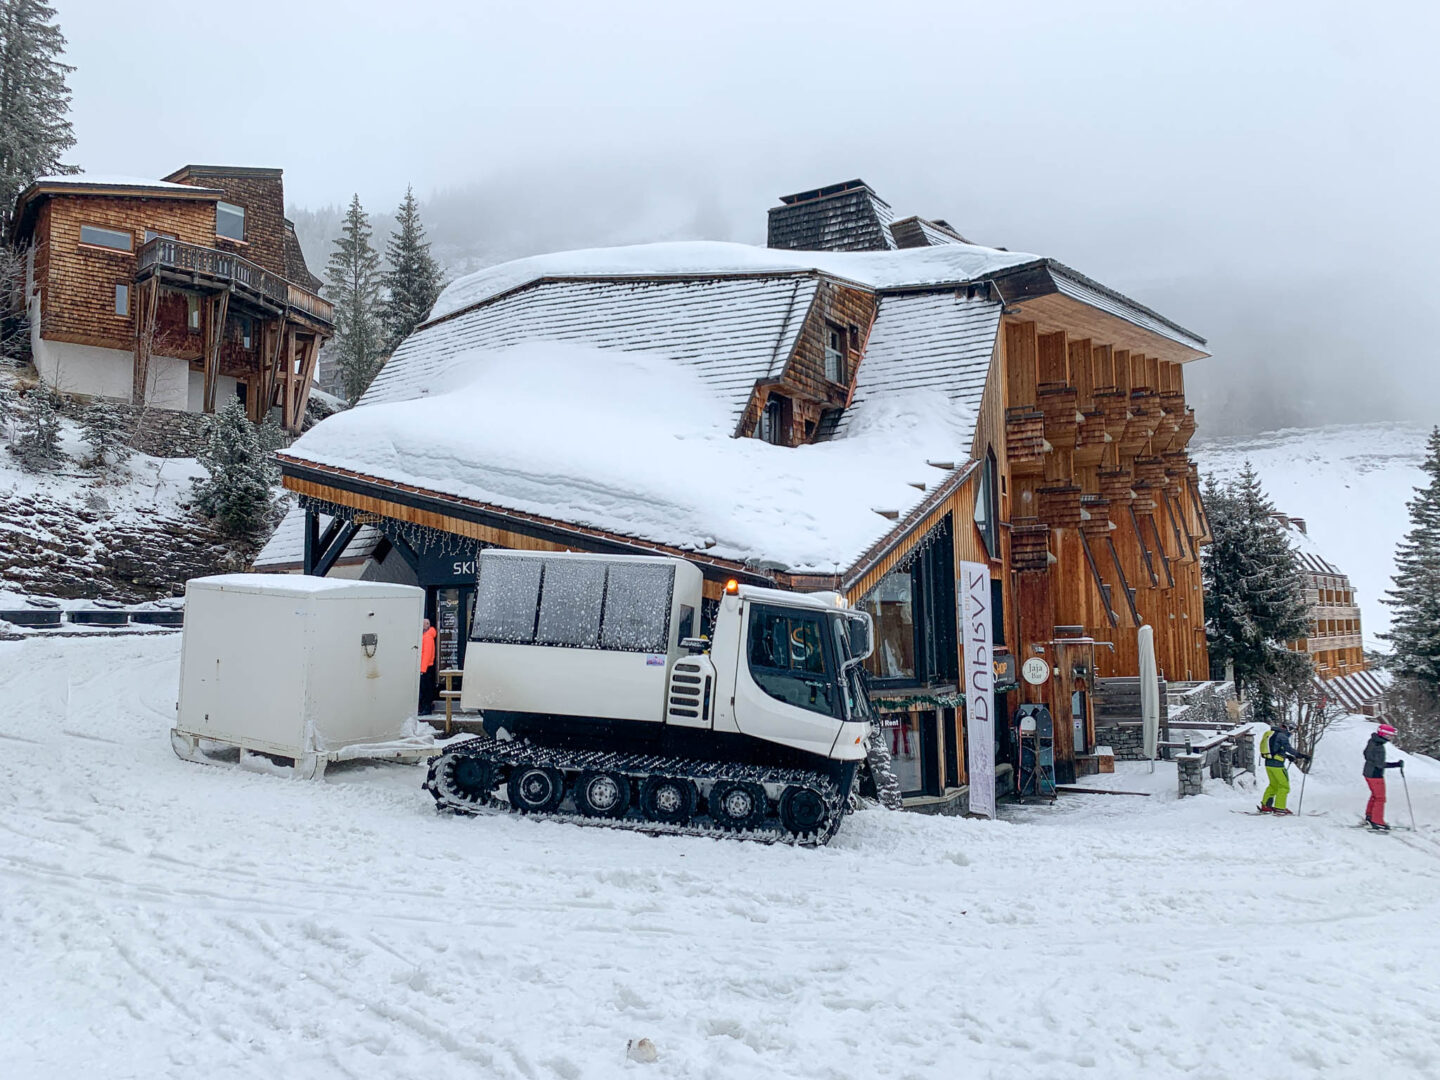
(1063, 466)
(178, 293)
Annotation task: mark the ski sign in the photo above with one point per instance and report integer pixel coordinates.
(976, 621)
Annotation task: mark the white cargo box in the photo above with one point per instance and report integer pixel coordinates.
(307, 668)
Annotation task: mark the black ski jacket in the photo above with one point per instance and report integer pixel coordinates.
(1278, 749)
(1375, 763)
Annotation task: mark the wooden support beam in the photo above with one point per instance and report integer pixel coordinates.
(145, 322)
(309, 358)
(1020, 373)
(219, 309)
(272, 365)
(1054, 364)
(332, 552)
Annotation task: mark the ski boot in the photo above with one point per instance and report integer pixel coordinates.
(1378, 826)
(1282, 813)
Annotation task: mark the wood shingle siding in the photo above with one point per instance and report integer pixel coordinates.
(733, 331)
(77, 281)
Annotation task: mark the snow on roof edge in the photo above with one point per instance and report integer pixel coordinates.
(910, 267)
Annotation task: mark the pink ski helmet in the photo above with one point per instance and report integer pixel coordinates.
(1385, 731)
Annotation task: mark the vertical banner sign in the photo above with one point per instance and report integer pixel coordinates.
(976, 621)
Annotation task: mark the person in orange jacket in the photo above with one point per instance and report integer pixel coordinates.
(427, 668)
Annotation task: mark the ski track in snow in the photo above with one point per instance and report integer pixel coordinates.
(163, 919)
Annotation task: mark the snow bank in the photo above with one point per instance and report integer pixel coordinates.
(169, 920)
(951, 263)
(638, 445)
(1349, 483)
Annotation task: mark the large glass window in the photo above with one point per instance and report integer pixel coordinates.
(507, 595)
(987, 505)
(109, 238)
(891, 605)
(637, 607)
(903, 733)
(577, 603)
(571, 597)
(229, 221)
(789, 659)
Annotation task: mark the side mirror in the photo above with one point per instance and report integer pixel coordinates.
(862, 639)
(694, 645)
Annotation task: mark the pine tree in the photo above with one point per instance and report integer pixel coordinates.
(236, 492)
(107, 432)
(414, 280)
(38, 442)
(353, 275)
(1415, 626)
(35, 128)
(1254, 586)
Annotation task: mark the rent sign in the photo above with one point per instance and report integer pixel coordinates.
(975, 633)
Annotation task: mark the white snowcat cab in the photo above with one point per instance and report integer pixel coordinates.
(593, 664)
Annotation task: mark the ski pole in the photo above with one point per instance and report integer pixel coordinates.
(1300, 806)
(1408, 806)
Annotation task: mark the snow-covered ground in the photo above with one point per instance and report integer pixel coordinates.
(1350, 483)
(161, 919)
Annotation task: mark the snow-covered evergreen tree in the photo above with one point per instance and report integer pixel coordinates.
(1254, 586)
(236, 493)
(353, 280)
(1414, 633)
(37, 443)
(413, 281)
(35, 126)
(107, 432)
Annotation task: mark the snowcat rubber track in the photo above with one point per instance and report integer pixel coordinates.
(503, 756)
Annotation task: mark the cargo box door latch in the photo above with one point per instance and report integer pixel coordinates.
(368, 643)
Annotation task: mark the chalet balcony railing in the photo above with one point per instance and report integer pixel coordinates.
(168, 254)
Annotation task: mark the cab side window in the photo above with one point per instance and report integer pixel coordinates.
(788, 658)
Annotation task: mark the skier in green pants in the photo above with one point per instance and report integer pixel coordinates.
(1275, 751)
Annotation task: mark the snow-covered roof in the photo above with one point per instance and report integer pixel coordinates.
(912, 267)
(295, 585)
(732, 331)
(638, 444)
(100, 180)
(928, 341)
(286, 547)
(1308, 551)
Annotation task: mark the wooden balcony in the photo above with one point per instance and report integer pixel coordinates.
(181, 264)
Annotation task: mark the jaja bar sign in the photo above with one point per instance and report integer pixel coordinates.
(975, 633)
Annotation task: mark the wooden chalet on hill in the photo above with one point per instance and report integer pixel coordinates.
(178, 293)
(1334, 644)
(1059, 459)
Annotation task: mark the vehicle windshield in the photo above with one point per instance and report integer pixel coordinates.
(852, 676)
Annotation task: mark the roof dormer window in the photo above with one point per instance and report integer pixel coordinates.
(230, 221)
(834, 353)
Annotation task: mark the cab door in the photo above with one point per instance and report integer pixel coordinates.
(786, 685)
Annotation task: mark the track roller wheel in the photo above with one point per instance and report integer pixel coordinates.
(803, 810)
(535, 789)
(470, 778)
(737, 804)
(601, 794)
(667, 799)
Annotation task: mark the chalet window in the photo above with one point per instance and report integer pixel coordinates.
(246, 330)
(192, 311)
(107, 238)
(834, 353)
(151, 234)
(891, 605)
(772, 421)
(229, 221)
(987, 505)
(122, 299)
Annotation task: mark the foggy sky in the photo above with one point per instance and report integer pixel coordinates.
(1263, 173)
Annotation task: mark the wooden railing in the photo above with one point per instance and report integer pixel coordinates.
(223, 265)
